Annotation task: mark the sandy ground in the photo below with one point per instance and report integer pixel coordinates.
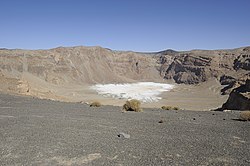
(204, 96)
(201, 97)
(43, 132)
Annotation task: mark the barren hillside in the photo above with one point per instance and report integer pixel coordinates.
(61, 73)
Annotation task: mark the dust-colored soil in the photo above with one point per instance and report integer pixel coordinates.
(204, 96)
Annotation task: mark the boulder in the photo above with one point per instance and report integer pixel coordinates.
(239, 98)
(226, 80)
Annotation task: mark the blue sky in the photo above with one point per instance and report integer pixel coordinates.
(138, 25)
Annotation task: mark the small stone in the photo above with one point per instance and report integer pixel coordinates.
(227, 110)
(224, 119)
(193, 118)
(161, 121)
(123, 135)
(213, 114)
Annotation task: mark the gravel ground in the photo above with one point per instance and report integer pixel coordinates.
(43, 132)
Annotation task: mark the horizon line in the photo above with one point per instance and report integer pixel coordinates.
(168, 49)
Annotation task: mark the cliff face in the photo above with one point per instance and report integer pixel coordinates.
(190, 69)
(239, 98)
(198, 66)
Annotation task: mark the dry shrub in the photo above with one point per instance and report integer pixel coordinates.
(132, 105)
(176, 108)
(245, 115)
(95, 104)
(166, 107)
(169, 108)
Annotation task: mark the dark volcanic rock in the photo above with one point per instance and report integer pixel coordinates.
(226, 80)
(232, 83)
(242, 62)
(227, 89)
(239, 98)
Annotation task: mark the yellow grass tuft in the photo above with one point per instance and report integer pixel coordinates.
(169, 108)
(95, 104)
(132, 105)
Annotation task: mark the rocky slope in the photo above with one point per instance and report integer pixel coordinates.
(239, 98)
(37, 72)
(193, 67)
(77, 64)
